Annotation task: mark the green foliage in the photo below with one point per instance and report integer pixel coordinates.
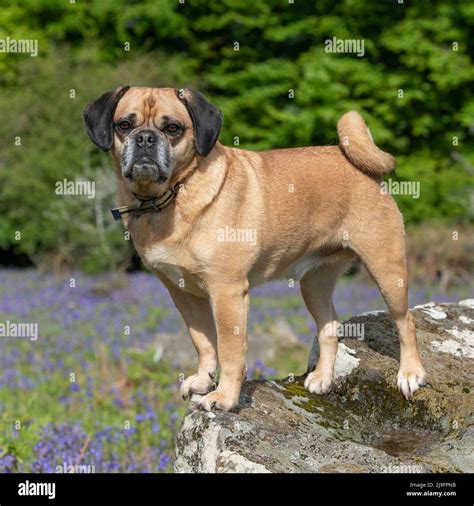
(60, 231)
(412, 85)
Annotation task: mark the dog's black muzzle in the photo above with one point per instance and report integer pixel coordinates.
(148, 157)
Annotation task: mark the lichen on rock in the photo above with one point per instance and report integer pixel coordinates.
(364, 424)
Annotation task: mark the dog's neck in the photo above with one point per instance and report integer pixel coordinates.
(200, 182)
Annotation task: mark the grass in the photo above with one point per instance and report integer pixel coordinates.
(92, 391)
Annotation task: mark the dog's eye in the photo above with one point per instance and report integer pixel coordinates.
(172, 129)
(125, 125)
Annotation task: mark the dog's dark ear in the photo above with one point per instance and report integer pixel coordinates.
(98, 118)
(207, 119)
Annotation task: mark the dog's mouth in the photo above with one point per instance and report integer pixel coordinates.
(145, 169)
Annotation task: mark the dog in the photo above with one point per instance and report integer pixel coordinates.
(185, 199)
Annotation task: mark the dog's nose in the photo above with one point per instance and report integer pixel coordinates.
(146, 138)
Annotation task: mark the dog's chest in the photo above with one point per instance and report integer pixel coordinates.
(174, 263)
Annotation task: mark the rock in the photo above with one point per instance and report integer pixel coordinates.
(175, 347)
(267, 341)
(364, 424)
(282, 332)
(178, 348)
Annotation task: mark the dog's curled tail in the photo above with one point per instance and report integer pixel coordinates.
(357, 144)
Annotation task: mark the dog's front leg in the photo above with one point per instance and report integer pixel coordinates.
(197, 314)
(230, 307)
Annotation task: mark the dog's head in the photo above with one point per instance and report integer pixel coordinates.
(153, 132)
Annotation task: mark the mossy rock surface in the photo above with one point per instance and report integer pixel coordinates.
(364, 424)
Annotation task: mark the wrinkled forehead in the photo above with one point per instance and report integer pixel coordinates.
(151, 104)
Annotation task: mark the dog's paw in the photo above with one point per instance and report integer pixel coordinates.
(218, 400)
(197, 384)
(409, 380)
(318, 383)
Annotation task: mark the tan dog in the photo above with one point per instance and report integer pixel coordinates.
(242, 218)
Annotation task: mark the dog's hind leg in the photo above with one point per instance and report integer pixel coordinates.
(382, 250)
(317, 287)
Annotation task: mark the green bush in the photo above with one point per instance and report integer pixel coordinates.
(62, 231)
(413, 86)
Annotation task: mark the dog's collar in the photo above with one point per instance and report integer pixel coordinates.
(146, 204)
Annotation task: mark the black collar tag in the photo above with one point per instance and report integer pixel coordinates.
(146, 204)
